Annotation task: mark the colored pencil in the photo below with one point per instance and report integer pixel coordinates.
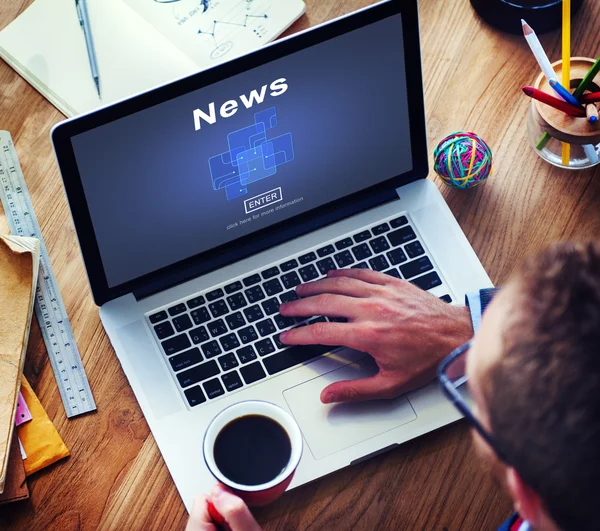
(546, 98)
(591, 112)
(564, 93)
(566, 67)
(592, 97)
(590, 152)
(538, 51)
(589, 77)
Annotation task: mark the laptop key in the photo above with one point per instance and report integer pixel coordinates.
(163, 330)
(228, 361)
(308, 273)
(182, 323)
(251, 280)
(289, 265)
(271, 306)
(393, 273)
(344, 258)
(360, 265)
(195, 302)
(194, 396)
(270, 273)
(414, 249)
(236, 301)
(362, 236)
(233, 287)
(213, 388)
(380, 229)
(327, 250)
(379, 245)
(277, 341)
(199, 335)
(398, 222)
(400, 236)
(361, 251)
(211, 349)
(264, 347)
(253, 372)
(327, 264)
(272, 287)
(428, 281)
(289, 296)
(379, 263)
(416, 267)
(157, 317)
(446, 298)
(235, 320)
(232, 381)
(255, 294)
(253, 313)
(185, 359)
(266, 327)
(306, 258)
(217, 328)
(199, 373)
(344, 244)
(290, 280)
(214, 294)
(397, 256)
(293, 356)
(218, 308)
(248, 334)
(246, 354)
(200, 315)
(229, 342)
(284, 322)
(176, 344)
(177, 309)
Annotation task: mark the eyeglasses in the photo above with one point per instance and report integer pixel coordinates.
(452, 376)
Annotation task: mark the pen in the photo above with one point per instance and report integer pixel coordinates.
(564, 93)
(84, 21)
(567, 108)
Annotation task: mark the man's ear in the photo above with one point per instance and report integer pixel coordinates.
(526, 501)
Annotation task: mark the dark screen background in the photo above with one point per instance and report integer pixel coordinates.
(146, 176)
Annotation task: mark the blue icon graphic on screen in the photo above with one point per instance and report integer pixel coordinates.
(251, 155)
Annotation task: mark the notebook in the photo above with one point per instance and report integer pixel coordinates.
(19, 261)
(139, 43)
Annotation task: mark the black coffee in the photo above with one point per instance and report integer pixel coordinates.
(252, 450)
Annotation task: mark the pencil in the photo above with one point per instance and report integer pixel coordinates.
(592, 97)
(589, 77)
(546, 98)
(563, 92)
(566, 65)
(591, 112)
(538, 51)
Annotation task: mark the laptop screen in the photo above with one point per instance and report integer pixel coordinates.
(213, 165)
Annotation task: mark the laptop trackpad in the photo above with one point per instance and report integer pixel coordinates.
(329, 428)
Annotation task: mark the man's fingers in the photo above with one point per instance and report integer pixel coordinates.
(366, 275)
(331, 334)
(233, 509)
(340, 285)
(199, 519)
(371, 388)
(324, 304)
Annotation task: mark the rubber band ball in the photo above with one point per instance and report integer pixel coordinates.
(463, 160)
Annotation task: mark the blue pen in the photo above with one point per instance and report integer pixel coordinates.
(564, 93)
(84, 21)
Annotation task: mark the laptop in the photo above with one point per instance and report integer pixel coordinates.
(200, 206)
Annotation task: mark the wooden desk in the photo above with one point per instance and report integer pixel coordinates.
(116, 479)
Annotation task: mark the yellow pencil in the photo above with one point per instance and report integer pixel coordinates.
(566, 64)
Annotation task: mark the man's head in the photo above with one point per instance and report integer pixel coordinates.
(534, 372)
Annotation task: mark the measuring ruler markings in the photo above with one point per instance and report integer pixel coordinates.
(50, 310)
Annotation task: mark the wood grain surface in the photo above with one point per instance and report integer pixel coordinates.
(116, 479)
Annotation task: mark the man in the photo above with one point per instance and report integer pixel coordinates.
(533, 372)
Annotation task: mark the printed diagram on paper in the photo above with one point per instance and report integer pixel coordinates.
(213, 31)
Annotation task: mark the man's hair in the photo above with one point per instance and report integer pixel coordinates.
(544, 393)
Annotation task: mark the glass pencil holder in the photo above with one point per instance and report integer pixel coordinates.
(550, 129)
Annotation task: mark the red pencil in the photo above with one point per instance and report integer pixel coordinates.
(590, 98)
(544, 97)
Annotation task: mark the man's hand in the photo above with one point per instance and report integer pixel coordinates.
(232, 509)
(406, 330)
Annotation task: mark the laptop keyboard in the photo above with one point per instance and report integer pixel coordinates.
(227, 338)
